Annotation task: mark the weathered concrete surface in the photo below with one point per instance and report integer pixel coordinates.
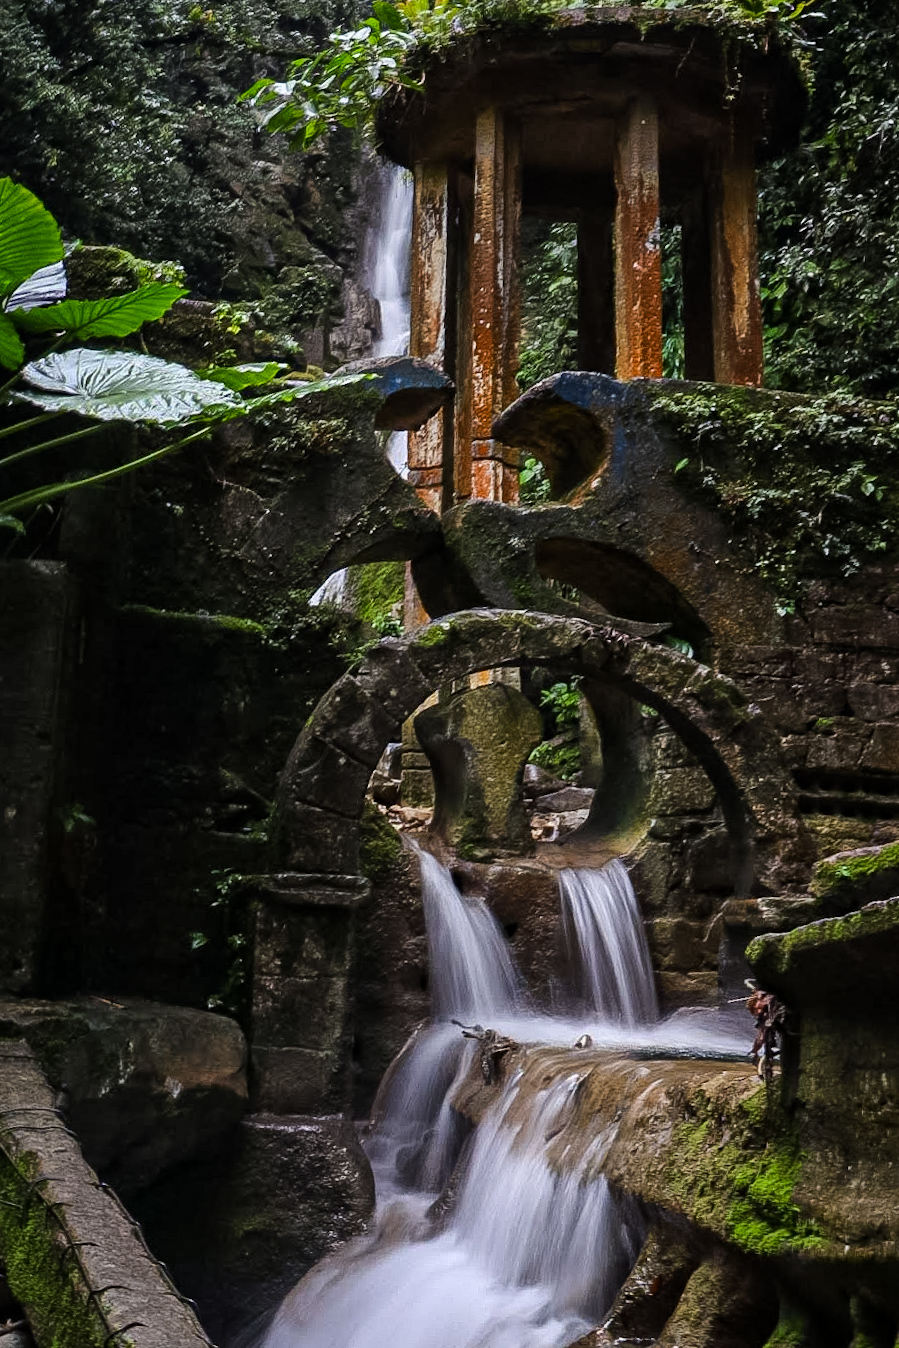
(145, 1086)
(301, 1005)
(638, 243)
(477, 744)
(838, 976)
(413, 390)
(736, 303)
(239, 1230)
(603, 445)
(72, 1254)
(37, 605)
(728, 735)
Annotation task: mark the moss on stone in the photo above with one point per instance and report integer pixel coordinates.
(226, 622)
(760, 457)
(432, 636)
(377, 589)
(58, 1311)
(379, 845)
(773, 954)
(839, 873)
(736, 1176)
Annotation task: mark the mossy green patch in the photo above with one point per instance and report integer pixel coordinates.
(50, 1288)
(849, 871)
(379, 845)
(432, 636)
(773, 954)
(736, 1174)
(225, 622)
(763, 458)
(377, 589)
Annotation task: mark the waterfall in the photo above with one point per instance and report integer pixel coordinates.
(606, 946)
(479, 1240)
(527, 1258)
(387, 274)
(473, 976)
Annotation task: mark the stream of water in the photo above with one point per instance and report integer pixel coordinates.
(514, 1255)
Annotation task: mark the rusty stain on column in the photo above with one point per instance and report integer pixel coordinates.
(428, 321)
(638, 259)
(736, 305)
(493, 303)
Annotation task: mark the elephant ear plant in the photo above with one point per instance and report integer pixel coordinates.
(97, 385)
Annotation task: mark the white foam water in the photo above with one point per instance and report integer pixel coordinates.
(516, 1255)
(609, 964)
(387, 258)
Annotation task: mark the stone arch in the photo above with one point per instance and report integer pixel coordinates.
(322, 790)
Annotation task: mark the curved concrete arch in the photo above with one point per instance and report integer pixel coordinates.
(322, 790)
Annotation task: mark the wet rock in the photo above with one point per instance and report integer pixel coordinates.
(569, 798)
(239, 1231)
(145, 1086)
(539, 782)
(654, 1286)
(726, 1304)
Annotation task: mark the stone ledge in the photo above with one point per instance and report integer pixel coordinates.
(109, 1286)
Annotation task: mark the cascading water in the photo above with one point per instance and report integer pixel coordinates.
(387, 272)
(611, 972)
(515, 1254)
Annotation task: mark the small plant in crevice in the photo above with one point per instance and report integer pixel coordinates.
(231, 941)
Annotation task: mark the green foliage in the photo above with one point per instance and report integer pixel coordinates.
(98, 386)
(562, 701)
(562, 760)
(829, 216)
(123, 119)
(533, 484)
(549, 306)
(340, 84)
(800, 482)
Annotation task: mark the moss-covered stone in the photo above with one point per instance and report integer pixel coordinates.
(379, 845)
(850, 879)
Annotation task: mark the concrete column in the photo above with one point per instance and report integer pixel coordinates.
(596, 291)
(736, 307)
(699, 350)
(638, 258)
(493, 303)
(432, 222)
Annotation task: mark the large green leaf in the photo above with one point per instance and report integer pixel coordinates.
(239, 377)
(29, 236)
(123, 386)
(116, 316)
(12, 352)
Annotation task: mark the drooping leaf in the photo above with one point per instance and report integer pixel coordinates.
(239, 377)
(122, 386)
(12, 352)
(46, 286)
(116, 316)
(29, 236)
(10, 522)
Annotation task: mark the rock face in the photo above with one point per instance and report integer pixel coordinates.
(239, 1231)
(477, 744)
(145, 1086)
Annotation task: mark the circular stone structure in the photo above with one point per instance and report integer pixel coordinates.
(628, 121)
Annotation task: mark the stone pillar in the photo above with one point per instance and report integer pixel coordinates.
(432, 217)
(638, 257)
(301, 1010)
(493, 304)
(477, 743)
(736, 306)
(596, 291)
(699, 346)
